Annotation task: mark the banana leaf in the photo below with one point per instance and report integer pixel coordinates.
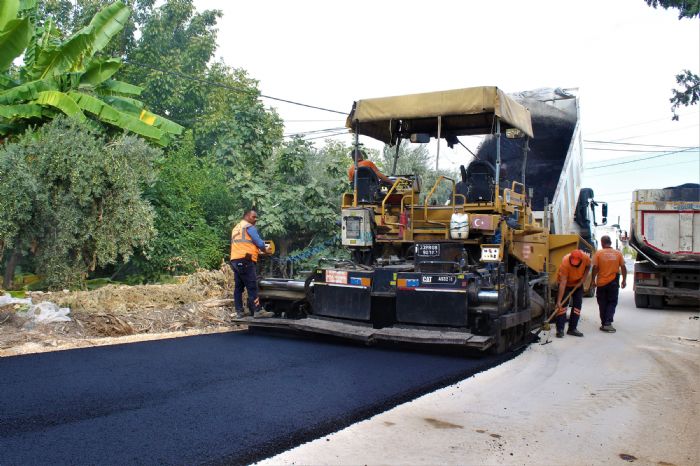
(20, 111)
(61, 101)
(68, 57)
(26, 4)
(111, 115)
(99, 71)
(106, 24)
(124, 104)
(27, 91)
(135, 108)
(14, 38)
(159, 122)
(120, 87)
(8, 12)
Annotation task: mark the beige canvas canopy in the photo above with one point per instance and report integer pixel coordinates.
(463, 111)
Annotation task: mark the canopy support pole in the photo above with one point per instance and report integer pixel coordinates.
(526, 149)
(439, 134)
(498, 155)
(356, 155)
(396, 157)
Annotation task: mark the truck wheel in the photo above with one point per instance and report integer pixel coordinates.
(656, 302)
(641, 300)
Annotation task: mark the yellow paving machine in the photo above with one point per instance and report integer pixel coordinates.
(473, 270)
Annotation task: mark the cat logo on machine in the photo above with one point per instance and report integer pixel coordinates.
(439, 279)
(527, 251)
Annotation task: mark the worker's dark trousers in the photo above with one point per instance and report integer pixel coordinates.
(244, 275)
(607, 301)
(576, 302)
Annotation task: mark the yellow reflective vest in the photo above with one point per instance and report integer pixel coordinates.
(241, 242)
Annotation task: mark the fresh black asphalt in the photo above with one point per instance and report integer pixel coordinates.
(219, 399)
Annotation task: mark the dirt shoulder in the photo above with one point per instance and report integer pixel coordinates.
(117, 314)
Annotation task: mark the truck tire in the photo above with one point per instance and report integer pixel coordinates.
(656, 301)
(641, 300)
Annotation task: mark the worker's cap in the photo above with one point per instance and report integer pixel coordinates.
(576, 257)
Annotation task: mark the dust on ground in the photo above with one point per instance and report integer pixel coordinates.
(201, 303)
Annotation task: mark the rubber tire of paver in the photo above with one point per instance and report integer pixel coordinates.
(641, 300)
(656, 301)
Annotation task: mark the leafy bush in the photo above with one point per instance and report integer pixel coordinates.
(79, 199)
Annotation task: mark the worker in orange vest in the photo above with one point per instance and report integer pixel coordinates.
(607, 265)
(363, 162)
(245, 246)
(572, 275)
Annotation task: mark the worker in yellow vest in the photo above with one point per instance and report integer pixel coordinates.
(245, 246)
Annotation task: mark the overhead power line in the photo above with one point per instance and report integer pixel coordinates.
(327, 135)
(636, 144)
(231, 88)
(642, 159)
(303, 133)
(645, 151)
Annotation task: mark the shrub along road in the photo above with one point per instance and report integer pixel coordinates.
(224, 398)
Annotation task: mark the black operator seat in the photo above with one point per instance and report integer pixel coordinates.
(462, 187)
(481, 181)
(368, 185)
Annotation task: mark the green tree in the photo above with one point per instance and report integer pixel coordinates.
(176, 45)
(79, 196)
(63, 75)
(192, 203)
(689, 82)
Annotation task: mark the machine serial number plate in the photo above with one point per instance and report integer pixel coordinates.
(337, 276)
(489, 254)
(438, 279)
(428, 250)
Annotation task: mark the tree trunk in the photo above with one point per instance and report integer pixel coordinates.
(10, 269)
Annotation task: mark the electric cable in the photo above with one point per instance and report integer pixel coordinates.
(642, 159)
(225, 86)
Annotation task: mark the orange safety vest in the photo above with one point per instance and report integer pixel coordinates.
(241, 243)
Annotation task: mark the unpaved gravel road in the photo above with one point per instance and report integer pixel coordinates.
(632, 396)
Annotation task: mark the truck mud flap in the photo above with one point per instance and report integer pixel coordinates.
(369, 335)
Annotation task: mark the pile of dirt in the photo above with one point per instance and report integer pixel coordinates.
(199, 304)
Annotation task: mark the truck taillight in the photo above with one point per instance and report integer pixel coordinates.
(647, 278)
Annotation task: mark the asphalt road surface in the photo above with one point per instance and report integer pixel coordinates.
(604, 399)
(223, 398)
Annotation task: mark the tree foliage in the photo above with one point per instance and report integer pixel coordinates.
(686, 8)
(62, 75)
(689, 82)
(192, 204)
(74, 199)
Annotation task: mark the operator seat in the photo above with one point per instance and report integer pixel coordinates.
(462, 187)
(481, 181)
(368, 185)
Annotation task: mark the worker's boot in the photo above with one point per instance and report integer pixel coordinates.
(573, 323)
(574, 332)
(263, 314)
(608, 328)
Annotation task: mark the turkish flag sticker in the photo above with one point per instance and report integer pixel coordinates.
(481, 222)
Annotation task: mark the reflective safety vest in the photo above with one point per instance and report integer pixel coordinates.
(241, 242)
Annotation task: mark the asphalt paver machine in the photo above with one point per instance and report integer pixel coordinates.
(474, 270)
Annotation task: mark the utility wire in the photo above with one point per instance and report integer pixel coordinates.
(635, 144)
(638, 124)
(642, 159)
(647, 168)
(645, 151)
(327, 136)
(303, 133)
(231, 88)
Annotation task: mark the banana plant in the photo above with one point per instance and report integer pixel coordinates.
(65, 76)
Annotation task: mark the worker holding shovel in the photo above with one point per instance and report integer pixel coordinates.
(572, 275)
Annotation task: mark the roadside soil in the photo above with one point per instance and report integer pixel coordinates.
(114, 314)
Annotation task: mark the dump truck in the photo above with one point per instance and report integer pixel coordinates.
(665, 232)
(475, 270)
